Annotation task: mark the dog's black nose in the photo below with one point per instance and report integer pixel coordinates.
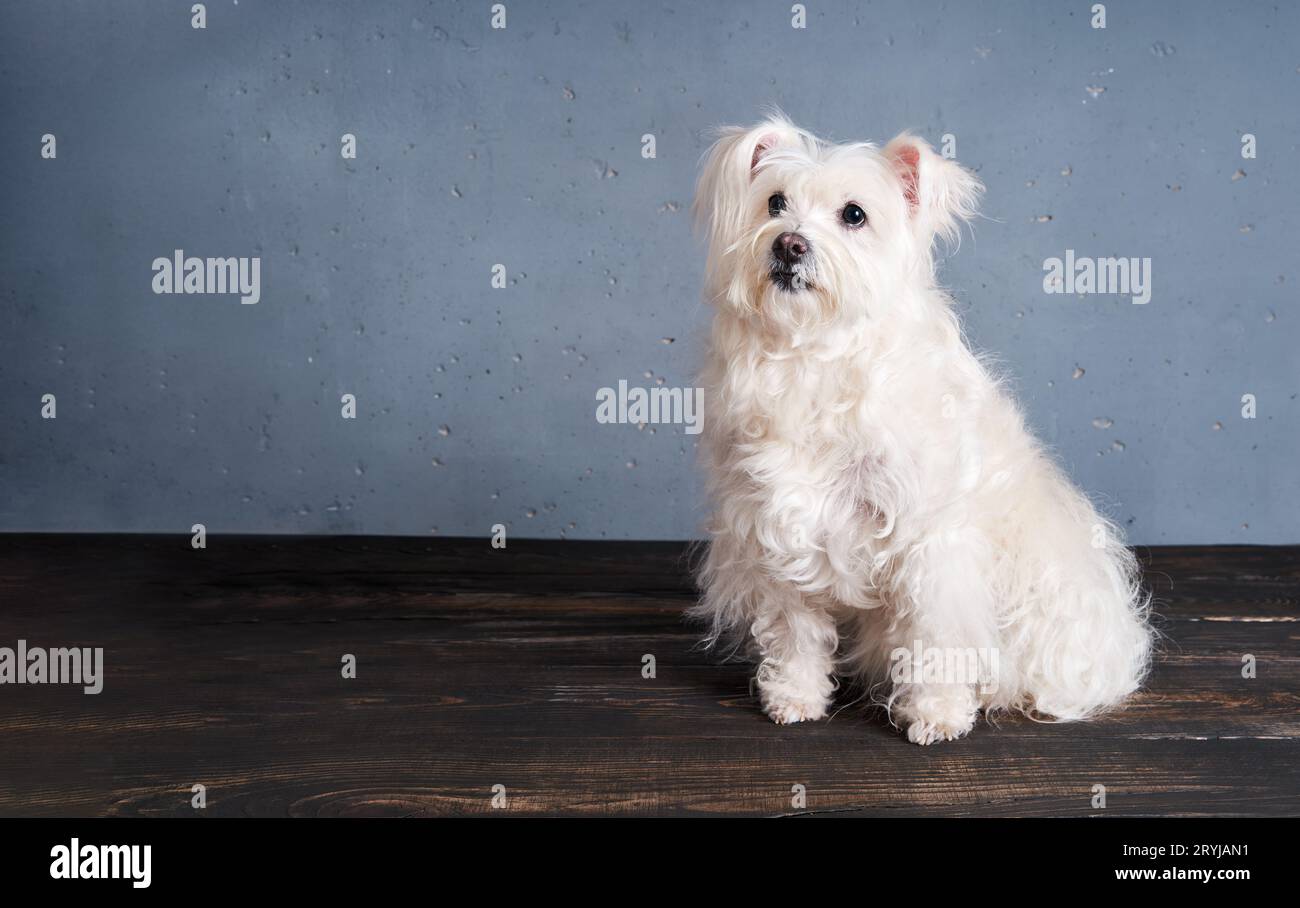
(789, 248)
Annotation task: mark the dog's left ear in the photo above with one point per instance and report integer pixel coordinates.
(940, 194)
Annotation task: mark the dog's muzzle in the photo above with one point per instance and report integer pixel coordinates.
(788, 253)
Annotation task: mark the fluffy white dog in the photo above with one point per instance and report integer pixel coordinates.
(878, 500)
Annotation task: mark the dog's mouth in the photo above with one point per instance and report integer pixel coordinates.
(788, 279)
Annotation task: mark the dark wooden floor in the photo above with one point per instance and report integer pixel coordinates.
(523, 668)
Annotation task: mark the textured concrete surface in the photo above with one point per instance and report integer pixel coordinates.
(522, 146)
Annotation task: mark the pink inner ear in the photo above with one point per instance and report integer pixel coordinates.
(909, 168)
(763, 147)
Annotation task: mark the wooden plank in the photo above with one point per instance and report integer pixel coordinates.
(523, 667)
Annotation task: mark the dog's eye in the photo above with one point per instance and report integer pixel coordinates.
(775, 205)
(853, 215)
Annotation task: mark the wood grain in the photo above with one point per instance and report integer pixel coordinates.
(522, 667)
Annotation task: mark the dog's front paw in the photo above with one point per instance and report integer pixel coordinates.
(932, 718)
(924, 732)
(785, 707)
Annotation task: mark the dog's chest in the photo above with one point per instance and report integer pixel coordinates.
(789, 425)
(795, 402)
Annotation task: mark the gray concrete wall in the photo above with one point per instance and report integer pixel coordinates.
(522, 147)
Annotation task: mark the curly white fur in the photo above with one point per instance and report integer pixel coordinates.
(874, 485)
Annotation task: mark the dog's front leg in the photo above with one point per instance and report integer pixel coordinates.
(796, 643)
(947, 635)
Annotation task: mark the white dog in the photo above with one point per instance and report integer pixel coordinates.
(878, 500)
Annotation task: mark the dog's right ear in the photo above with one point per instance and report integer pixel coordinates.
(728, 169)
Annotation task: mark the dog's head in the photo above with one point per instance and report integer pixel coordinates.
(802, 231)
